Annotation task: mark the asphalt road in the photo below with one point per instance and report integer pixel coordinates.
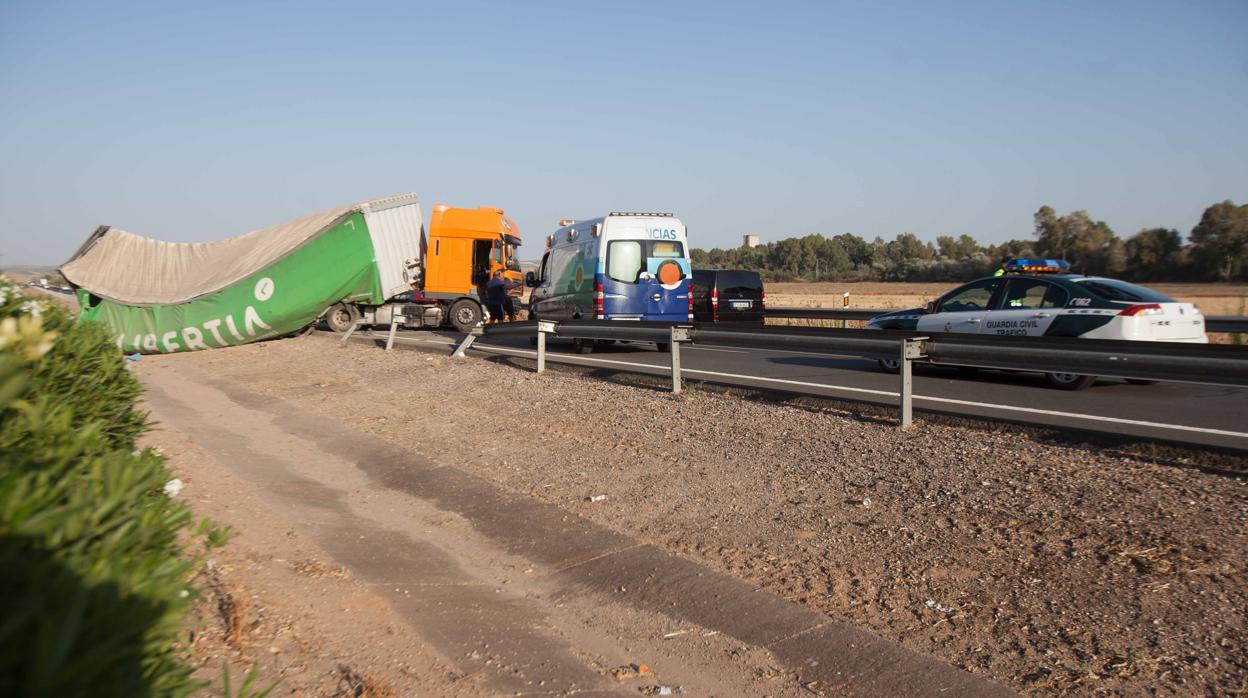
(1201, 415)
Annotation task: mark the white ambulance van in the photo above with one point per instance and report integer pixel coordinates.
(623, 266)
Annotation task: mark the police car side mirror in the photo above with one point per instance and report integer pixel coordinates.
(929, 307)
(530, 279)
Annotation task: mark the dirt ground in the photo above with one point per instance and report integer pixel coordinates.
(420, 579)
(273, 600)
(1053, 567)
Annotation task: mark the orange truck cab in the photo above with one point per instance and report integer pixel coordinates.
(464, 248)
(446, 279)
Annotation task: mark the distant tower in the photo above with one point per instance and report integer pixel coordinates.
(751, 241)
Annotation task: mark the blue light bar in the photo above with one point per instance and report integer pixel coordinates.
(1024, 265)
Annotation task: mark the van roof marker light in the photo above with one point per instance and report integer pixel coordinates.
(635, 213)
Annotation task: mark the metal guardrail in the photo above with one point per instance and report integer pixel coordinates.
(1226, 323)
(1216, 364)
(1213, 323)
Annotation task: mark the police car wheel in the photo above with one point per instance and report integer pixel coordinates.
(663, 347)
(1068, 381)
(890, 365)
(583, 346)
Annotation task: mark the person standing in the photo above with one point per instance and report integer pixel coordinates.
(509, 305)
(495, 296)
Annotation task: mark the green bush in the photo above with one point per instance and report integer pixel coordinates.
(94, 579)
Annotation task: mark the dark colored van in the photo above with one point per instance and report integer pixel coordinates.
(728, 295)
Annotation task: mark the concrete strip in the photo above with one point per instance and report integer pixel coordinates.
(594, 560)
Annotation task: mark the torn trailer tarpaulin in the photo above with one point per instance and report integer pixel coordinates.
(161, 297)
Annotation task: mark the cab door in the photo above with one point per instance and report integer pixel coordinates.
(1026, 308)
(962, 309)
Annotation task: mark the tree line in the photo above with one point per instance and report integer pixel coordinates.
(1215, 250)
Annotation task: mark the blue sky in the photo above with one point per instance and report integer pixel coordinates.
(195, 121)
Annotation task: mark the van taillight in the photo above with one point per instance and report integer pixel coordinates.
(1142, 309)
(762, 300)
(690, 301)
(598, 310)
(715, 304)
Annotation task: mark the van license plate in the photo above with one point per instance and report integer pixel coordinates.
(742, 305)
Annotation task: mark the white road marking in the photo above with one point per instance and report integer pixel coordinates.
(726, 351)
(889, 393)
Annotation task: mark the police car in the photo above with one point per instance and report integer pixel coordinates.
(1040, 297)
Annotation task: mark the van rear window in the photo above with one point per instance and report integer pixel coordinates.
(738, 281)
(667, 250)
(626, 259)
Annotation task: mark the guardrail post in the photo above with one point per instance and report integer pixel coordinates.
(911, 349)
(468, 340)
(395, 320)
(544, 327)
(676, 337)
(351, 330)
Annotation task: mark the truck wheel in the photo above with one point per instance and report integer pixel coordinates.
(341, 317)
(890, 365)
(465, 314)
(1068, 381)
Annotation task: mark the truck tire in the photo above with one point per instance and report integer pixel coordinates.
(465, 314)
(341, 317)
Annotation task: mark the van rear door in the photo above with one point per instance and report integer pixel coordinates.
(740, 296)
(646, 280)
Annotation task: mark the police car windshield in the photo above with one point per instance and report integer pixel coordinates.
(1123, 292)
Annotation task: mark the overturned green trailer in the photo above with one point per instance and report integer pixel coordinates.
(164, 297)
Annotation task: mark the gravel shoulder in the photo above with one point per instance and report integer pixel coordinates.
(1053, 568)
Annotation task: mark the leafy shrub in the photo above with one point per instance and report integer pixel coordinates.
(94, 581)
